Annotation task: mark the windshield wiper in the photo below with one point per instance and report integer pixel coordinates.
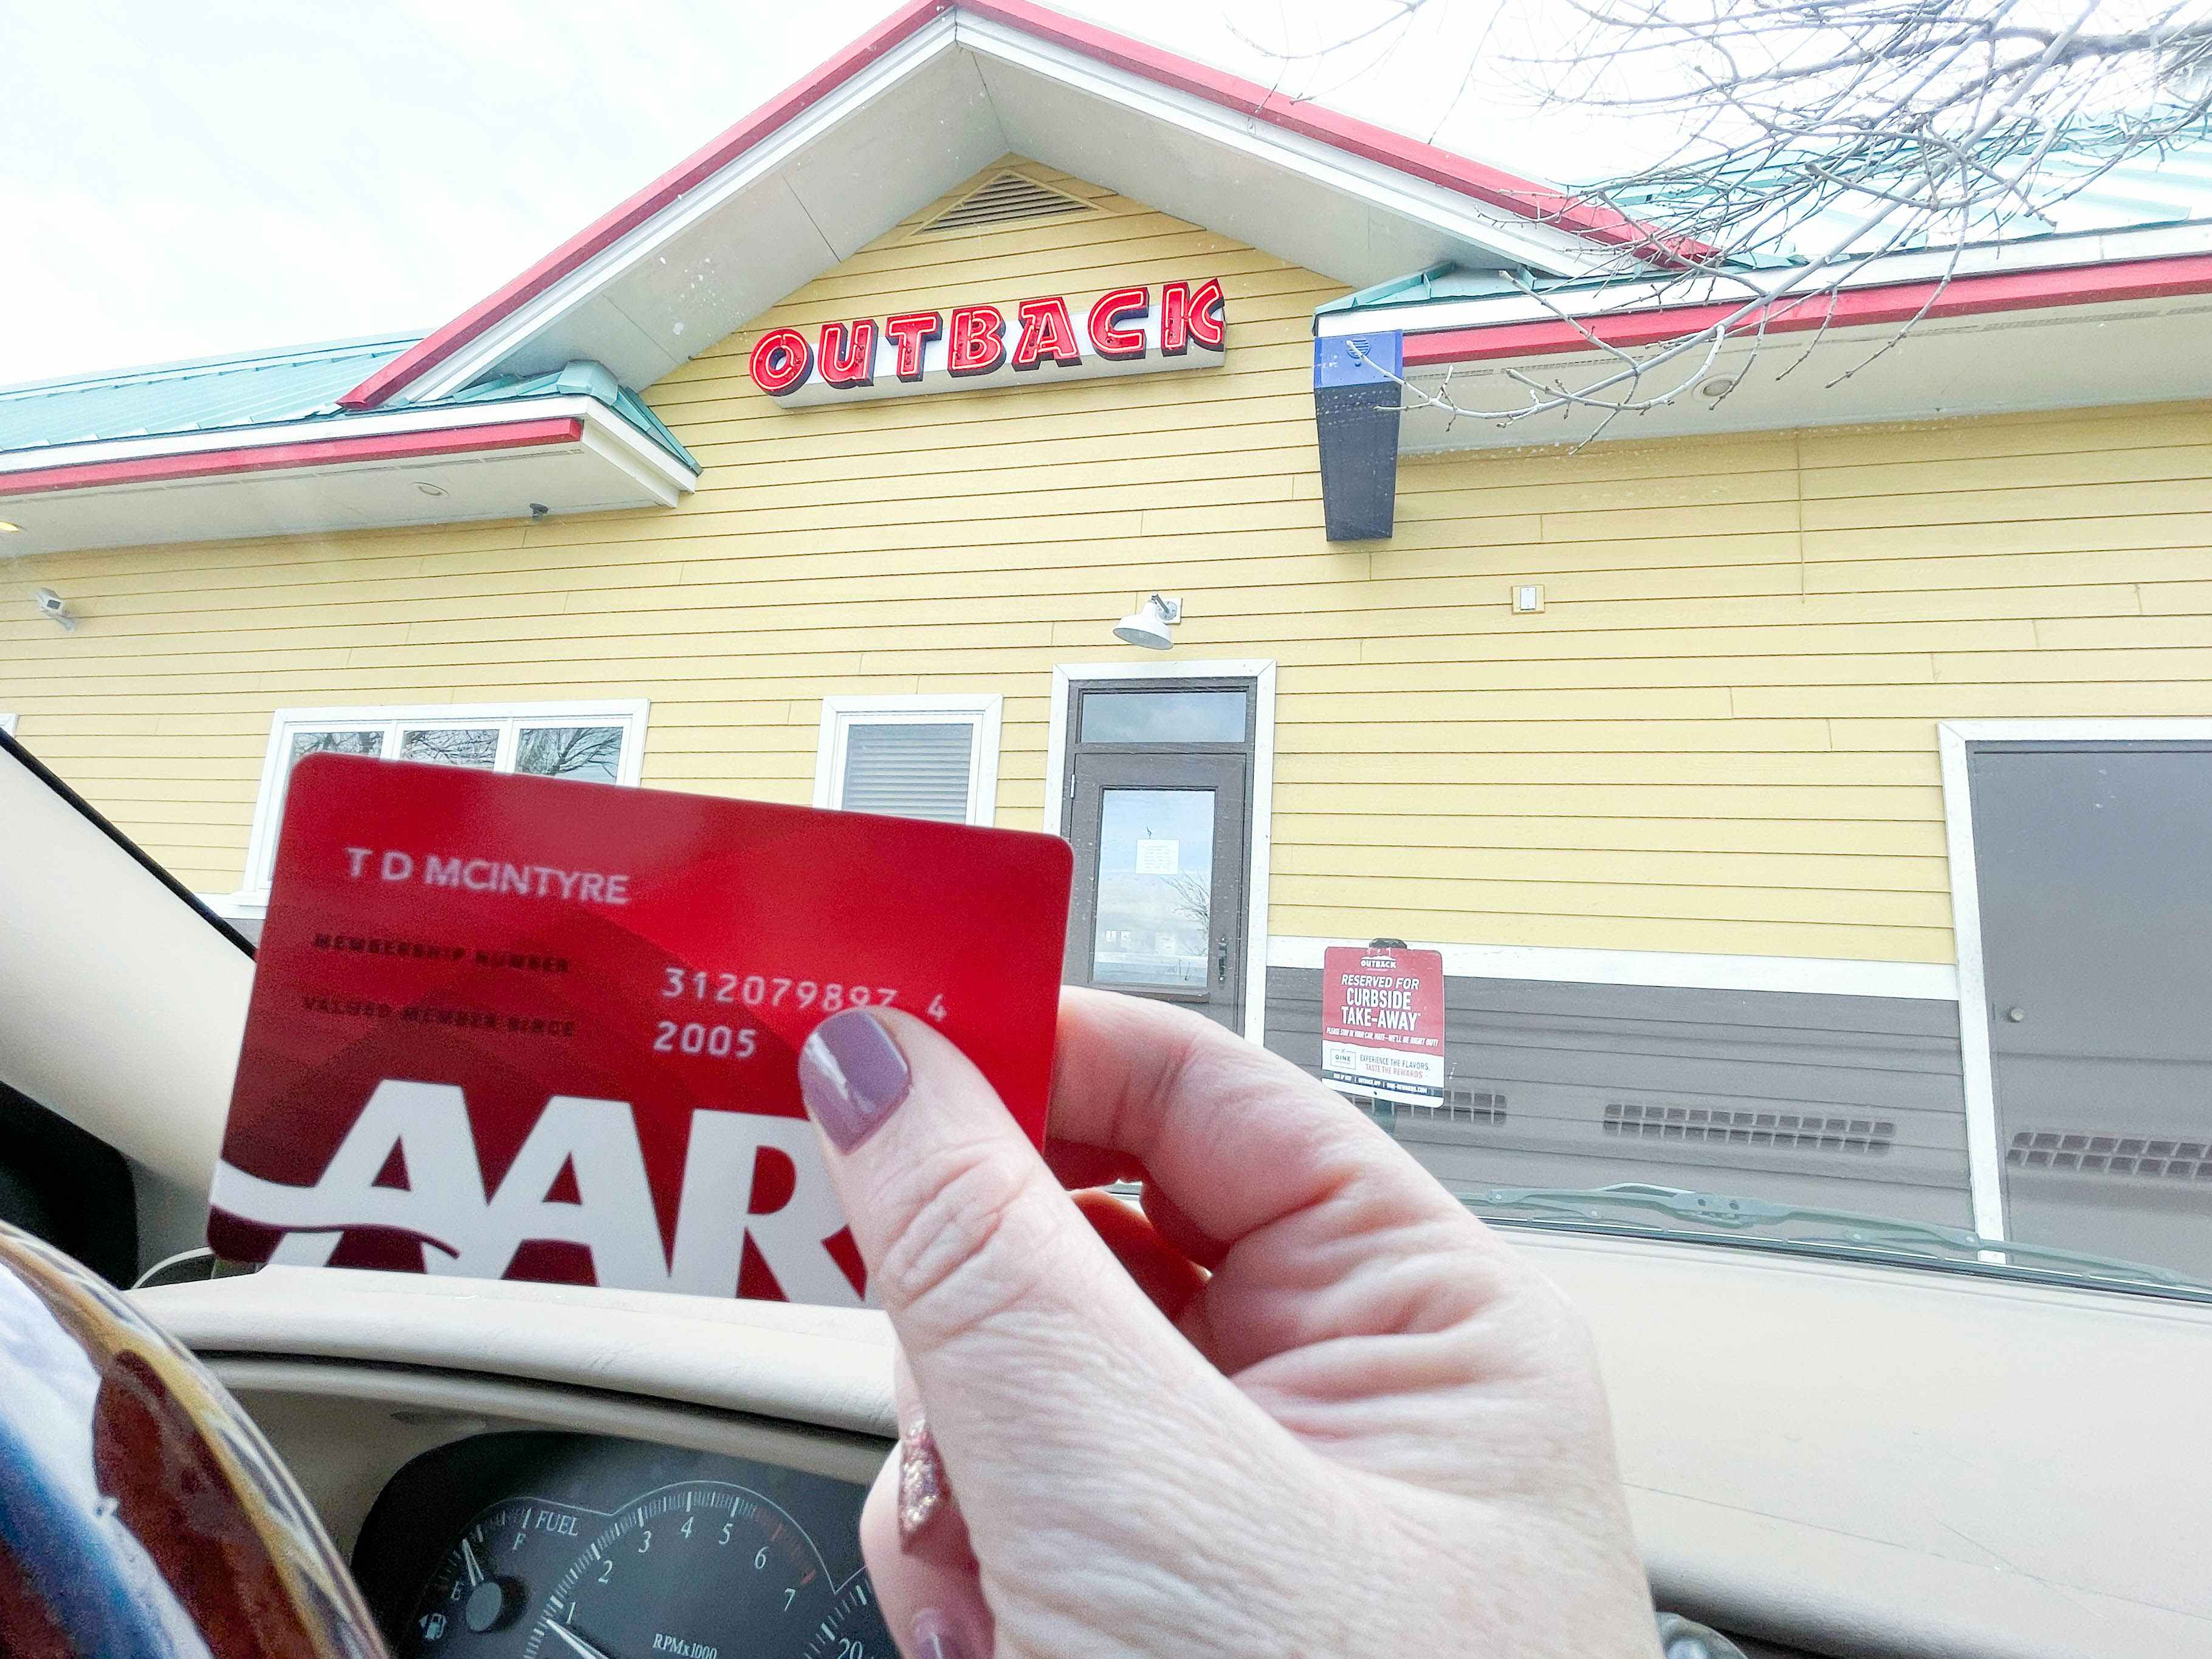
(1838, 1232)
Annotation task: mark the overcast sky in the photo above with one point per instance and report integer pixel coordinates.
(184, 180)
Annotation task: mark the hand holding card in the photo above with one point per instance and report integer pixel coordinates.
(516, 1027)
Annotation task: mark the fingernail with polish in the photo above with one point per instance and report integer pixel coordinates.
(852, 1076)
(934, 1638)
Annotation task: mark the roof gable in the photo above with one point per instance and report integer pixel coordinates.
(926, 100)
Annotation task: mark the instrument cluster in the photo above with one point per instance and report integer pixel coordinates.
(543, 1546)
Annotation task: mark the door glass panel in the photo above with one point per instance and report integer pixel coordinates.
(591, 752)
(305, 744)
(1163, 717)
(1154, 922)
(452, 745)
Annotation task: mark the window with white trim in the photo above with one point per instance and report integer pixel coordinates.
(600, 742)
(915, 757)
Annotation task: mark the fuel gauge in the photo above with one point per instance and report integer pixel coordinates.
(473, 1605)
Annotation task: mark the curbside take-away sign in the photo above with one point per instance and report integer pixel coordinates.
(1383, 1023)
(1136, 330)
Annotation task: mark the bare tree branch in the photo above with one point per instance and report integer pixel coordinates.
(1867, 127)
(1191, 897)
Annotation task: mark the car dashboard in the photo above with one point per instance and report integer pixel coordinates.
(546, 1472)
(1822, 1458)
(554, 1545)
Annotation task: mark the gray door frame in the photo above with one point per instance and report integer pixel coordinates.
(1261, 672)
(1984, 1151)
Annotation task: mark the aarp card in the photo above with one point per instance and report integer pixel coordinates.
(524, 1028)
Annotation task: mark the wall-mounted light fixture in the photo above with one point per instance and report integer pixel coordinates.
(51, 604)
(1148, 626)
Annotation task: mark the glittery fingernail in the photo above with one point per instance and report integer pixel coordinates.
(922, 1489)
(934, 1638)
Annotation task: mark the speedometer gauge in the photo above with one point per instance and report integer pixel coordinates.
(701, 1570)
(852, 1628)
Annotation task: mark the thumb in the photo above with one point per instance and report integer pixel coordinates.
(1025, 1336)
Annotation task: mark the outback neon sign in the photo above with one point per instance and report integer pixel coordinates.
(1136, 330)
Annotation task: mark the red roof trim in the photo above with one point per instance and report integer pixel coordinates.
(271, 458)
(1408, 156)
(1962, 297)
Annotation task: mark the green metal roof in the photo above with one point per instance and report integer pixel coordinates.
(1443, 281)
(2168, 188)
(579, 380)
(226, 393)
(204, 395)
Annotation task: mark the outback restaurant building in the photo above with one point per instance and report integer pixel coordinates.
(1804, 784)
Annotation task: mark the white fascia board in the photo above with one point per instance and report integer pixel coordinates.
(607, 434)
(1524, 240)
(617, 440)
(600, 440)
(1639, 294)
(607, 267)
(1929, 981)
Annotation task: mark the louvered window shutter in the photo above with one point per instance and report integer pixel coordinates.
(908, 768)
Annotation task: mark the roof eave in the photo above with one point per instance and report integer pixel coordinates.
(385, 468)
(2046, 271)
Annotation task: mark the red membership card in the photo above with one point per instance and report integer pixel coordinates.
(527, 1028)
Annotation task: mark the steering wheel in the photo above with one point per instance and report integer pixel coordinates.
(142, 1514)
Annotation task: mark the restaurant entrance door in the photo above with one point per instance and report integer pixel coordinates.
(1157, 802)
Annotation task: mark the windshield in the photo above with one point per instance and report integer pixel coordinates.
(1657, 642)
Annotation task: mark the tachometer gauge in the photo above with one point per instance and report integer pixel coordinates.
(701, 1570)
(476, 1603)
(852, 1628)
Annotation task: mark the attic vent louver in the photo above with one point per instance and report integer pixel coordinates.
(1005, 200)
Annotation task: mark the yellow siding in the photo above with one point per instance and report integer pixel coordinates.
(1718, 736)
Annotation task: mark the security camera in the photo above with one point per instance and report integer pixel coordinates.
(53, 604)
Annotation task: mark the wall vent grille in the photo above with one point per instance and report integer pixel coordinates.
(1007, 199)
(2138, 1156)
(1794, 1132)
(1467, 1106)
(1477, 1107)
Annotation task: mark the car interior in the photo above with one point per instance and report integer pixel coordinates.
(1824, 1457)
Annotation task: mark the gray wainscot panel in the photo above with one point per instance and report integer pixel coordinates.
(1850, 1103)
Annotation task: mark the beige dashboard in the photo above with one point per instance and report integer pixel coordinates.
(1850, 1460)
